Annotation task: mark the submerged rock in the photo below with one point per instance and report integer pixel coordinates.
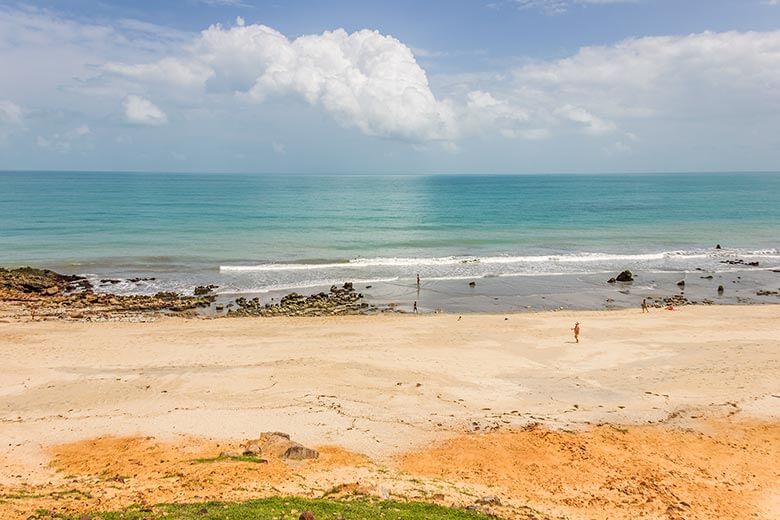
(625, 276)
(203, 290)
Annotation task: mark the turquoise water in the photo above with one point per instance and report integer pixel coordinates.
(252, 232)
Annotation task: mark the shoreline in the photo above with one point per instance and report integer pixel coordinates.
(50, 295)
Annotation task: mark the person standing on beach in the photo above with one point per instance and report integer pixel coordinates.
(576, 330)
(414, 308)
(644, 306)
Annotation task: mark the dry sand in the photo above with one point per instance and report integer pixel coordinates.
(100, 415)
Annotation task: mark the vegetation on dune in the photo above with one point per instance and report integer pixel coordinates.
(288, 508)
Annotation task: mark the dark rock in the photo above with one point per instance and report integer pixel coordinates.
(681, 283)
(29, 280)
(708, 277)
(306, 515)
(472, 284)
(203, 290)
(110, 280)
(720, 289)
(625, 276)
(767, 293)
(717, 246)
(612, 280)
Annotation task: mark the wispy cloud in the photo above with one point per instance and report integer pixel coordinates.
(225, 3)
(554, 7)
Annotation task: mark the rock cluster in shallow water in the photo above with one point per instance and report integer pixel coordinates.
(338, 301)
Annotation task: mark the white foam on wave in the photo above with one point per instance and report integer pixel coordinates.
(490, 260)
(302, 285)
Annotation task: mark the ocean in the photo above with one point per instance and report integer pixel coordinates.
(264, 233)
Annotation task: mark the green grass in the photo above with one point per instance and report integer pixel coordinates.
(233, 458)
(289, 508)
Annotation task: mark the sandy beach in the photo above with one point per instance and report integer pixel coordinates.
(654, 415)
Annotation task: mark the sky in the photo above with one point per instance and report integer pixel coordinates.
(441, 86)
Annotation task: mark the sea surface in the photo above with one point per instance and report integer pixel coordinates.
(265, 233)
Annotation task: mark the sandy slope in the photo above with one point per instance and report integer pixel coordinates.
(386, 385)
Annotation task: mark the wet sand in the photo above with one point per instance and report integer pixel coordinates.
(699, 384)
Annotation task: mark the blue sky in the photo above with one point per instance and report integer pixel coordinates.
(398, 87)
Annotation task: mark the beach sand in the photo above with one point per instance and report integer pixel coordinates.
(666, 415)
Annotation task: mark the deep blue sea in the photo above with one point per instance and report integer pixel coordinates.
(256, 233)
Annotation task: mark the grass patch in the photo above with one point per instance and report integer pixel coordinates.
(54, 494)
(290, 508)
(232, 458)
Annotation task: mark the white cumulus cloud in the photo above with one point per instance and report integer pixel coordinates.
(705, 78)
(365, 79)
(140, 110)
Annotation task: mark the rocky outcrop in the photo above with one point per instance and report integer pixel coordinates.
(338, 301)
(32, 281)
(277, 445)
(49, 294)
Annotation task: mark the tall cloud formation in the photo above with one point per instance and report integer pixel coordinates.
(365, 79)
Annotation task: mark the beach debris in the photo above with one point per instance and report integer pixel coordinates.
(624, 276)
(279, 445)
(739, 261)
